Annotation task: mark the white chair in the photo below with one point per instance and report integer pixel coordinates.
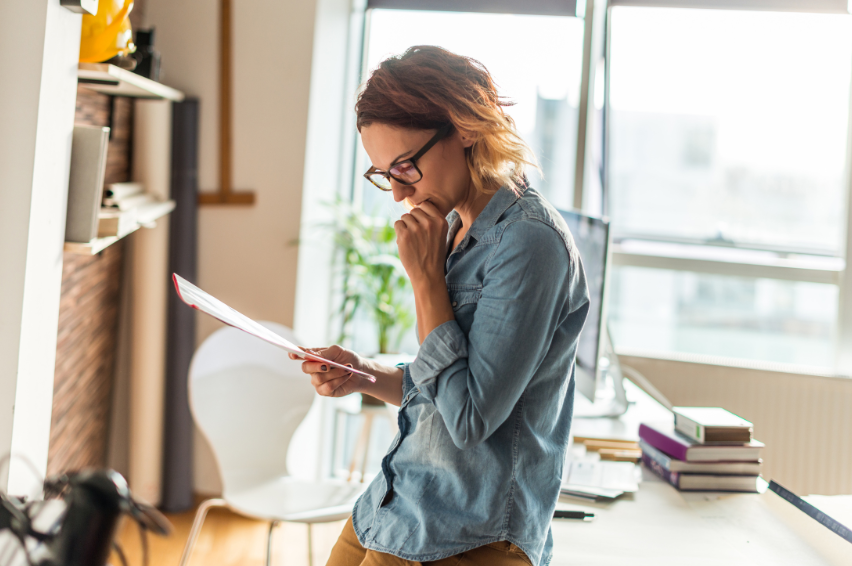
(248, 398)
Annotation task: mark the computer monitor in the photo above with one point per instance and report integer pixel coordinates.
(597, 367)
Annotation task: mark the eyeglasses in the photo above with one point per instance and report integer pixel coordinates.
(405, 172)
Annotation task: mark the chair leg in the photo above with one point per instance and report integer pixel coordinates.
(272, 526)
(196, 526)
(362, 446)
(310, 546)
(369, 426)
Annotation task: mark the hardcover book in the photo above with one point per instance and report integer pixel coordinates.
(680, 466)
(664, 438)
(712, 425)
(703, 482)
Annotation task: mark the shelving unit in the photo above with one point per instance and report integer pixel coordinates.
(146, 217)
(115, 81)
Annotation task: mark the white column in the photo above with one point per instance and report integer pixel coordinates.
(329, 148)
(39, 43)
(149, 285)
(843, 339)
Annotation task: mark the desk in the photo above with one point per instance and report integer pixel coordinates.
(660, 526)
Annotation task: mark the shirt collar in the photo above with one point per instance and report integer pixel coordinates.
(499, 203)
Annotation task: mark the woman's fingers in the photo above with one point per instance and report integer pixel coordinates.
(328, 380)
(419, 215)
(428, 216)
(319, 367)
(430, 209)
(315, 367)
(326, 386)
(409, 221)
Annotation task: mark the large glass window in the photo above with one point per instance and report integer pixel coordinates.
(720, 315)
(729, 125)
(728, 129)
(536, 62)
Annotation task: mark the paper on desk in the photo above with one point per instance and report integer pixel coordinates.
(206, 303)
(600, 478)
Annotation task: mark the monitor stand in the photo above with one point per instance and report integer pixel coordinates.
(610, 399)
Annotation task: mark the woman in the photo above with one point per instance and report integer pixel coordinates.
(500, 294)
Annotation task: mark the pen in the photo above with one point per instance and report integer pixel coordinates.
(572, 515)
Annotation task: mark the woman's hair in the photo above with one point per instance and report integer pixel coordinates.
(426, 87)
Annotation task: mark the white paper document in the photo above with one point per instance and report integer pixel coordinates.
(206, 303)
(599, 478)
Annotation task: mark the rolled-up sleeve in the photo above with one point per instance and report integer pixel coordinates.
(407, 384)
(475, 380)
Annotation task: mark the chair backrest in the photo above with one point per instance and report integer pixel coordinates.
(248, 398)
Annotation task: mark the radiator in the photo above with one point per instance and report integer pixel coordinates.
(804, 418)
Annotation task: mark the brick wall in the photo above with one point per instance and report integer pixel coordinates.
(88, 316)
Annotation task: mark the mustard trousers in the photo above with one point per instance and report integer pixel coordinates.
(349, 552)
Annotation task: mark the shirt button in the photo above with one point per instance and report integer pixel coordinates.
(455, 303)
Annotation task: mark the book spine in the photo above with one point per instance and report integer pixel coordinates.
(671, 477)
(689, 428)
(655, 455)
(662, 442)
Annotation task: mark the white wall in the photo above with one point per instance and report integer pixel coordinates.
(245, 256)
(39, 44)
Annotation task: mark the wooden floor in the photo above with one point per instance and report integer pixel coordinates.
(229, 539)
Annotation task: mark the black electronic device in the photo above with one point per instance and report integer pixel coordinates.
(147, 58)
(598, 373)
(76, 524)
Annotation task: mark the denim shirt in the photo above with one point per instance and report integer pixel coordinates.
(487, 403)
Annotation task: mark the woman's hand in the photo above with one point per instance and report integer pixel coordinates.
(421, 236)
(331, 381)
(422, 240)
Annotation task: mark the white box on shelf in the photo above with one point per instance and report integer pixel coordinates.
(86, 182)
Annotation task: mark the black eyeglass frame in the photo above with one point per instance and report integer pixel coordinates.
(442, 132)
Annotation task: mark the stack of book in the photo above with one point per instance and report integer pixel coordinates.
(613, 449)
(704, 449)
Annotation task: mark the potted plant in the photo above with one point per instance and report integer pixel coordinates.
(373, 280)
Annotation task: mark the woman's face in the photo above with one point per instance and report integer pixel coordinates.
(446, 178)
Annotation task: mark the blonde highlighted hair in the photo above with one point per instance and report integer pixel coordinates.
(427, 87)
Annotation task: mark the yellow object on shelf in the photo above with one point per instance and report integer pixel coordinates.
(108, 33)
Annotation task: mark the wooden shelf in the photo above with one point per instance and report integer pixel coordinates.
(146, 217)
(112, 80)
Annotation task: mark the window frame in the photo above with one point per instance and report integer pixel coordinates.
(791, 269)
(595, 58)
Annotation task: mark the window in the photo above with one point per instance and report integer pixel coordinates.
(536, 61)
(726, 180)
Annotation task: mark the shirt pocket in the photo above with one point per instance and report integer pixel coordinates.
(464, 296)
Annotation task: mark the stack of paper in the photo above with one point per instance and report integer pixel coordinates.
(594, 479)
